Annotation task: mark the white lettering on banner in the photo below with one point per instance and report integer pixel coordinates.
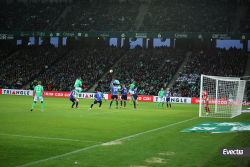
(246, 103)
(175, 99)
(87, 95)
(59, 94)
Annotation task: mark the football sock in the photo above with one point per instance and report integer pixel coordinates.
(131, 99)
(116, 103)
(91, 106)
(100, 105)
(111, 103)
(170, 105)
(167, 104)
(42, 106)
(134, 104)
(158, 104)
(76, 104)
(162, 104)
(206, 109)
(33, 105)
(124, 103)
(121, 103)
(73, 104)
(136, 101)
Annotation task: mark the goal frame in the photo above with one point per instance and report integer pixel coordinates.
(219, 78)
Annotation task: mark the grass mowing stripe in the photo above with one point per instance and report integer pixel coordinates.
(50, 138)
(35, 162)
(107, 112)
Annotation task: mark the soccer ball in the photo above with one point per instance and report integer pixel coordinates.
(110, 71)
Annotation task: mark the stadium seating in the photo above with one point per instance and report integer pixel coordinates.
(20, 16)
(190, 16)
(6, 50)
(23, 67)
(99, 16)
(152, 69)
(219, 62)
(244, 23)
(88, 62)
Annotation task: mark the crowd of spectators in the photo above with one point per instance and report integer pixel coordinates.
(99, 16)
(19, 16)
(218, 62)
(22, 67)
(7, 50)
(247, 90)
(245, 22)
(152, 69)
(89, 63)
(204, 16)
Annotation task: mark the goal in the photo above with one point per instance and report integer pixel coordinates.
(225, 95)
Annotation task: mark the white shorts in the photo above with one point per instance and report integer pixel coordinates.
(131, 91)
(78, 89)
(161, 99)
(38, 97)
(230, 100)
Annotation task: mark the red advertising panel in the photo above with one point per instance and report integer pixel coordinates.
(0, 91)
(213, 101)
(140, 98)
(56, 94)
(246, 103)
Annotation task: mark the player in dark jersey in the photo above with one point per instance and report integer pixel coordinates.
(168, 94)
(114, 92)
(124, 91)
(73, 97)
(98, 99)
(135, 95)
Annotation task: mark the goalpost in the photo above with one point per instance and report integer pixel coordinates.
(225, 96)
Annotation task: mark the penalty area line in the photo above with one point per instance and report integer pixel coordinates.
(76, 151)
(50, 138)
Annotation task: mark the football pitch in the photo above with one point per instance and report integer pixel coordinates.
(145, 137)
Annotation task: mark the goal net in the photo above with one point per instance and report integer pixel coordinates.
(221, 97)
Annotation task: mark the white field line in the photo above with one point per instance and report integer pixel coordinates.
(50, 138)
(35, 162)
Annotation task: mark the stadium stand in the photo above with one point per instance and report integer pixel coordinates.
(190, 16)
(21, 68)
(6, 50)
(99, 16)
(30, 16)
(219, 62)
(88, 62)
(245, 22)
(152, 69)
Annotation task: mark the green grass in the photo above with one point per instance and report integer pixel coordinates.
(40, 137)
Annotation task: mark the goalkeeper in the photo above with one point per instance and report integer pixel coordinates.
(205, 97)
